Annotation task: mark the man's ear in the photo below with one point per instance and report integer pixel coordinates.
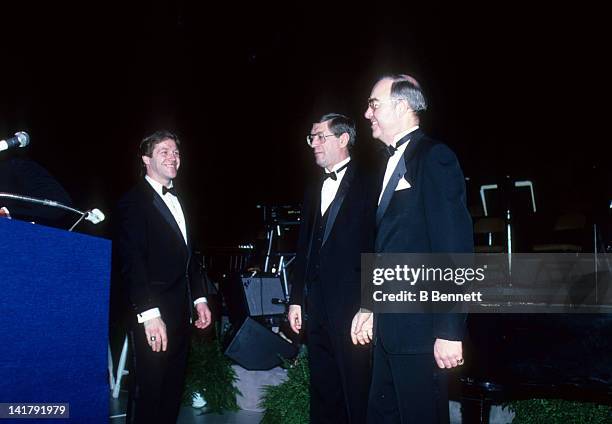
(402, 107)
(146, 160)
(344, 139)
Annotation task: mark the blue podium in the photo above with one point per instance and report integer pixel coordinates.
(54, 321)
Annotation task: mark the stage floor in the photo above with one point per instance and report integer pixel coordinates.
(188, 415)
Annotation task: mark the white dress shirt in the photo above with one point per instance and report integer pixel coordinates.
(173, 204)
(330, 186)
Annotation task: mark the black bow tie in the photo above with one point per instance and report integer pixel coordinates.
(390, 149)
(171, 190)
(333, 175)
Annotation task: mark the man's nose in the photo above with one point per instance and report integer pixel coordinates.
(316, 141)
(368, 113)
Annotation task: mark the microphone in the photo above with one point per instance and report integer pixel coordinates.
(94, 216)
(20, 139)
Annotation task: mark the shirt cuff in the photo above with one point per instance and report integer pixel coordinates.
(148, 314)
(200, 300)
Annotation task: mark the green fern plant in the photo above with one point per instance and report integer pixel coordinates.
(559, 411)
(289, 402)
(210, 373)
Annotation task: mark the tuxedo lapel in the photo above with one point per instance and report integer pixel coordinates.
(167, 215)
(397, 175)
(403, 167)
(337, 202)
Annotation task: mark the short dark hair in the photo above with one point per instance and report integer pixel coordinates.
(147, 145)
(340, 124)
(407, 87)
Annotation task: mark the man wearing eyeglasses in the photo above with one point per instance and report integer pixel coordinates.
(337, 226)
(421, 209)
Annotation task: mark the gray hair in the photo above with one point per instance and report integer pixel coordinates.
(408, 88)
(340, 124)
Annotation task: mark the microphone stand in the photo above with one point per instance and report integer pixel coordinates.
(78, 221)
(90, 214)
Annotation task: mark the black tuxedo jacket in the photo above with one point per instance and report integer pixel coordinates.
(429, 217)
(349, 232)
(155, 263)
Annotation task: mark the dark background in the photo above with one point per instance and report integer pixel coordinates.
(514, 89)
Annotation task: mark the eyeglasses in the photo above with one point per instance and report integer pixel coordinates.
(310, 138)
(375, 103)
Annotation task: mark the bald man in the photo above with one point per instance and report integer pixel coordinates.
(421, 209)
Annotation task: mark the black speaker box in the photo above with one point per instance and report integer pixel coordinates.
(247, 295)
(255, 347)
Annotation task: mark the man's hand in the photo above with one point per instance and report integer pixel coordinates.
(204, 316)
(295, 318)
(362, 327)
(448, 353)
(156, 328)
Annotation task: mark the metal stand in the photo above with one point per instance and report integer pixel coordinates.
(115, 382)
(508, 212)
(92, 215)
(284, 261)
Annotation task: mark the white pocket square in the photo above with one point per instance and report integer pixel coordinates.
(402, 185)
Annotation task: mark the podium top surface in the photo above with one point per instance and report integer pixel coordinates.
(27, 229)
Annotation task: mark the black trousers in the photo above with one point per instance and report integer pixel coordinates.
(157, 378)
(340, 372)
(407, 389)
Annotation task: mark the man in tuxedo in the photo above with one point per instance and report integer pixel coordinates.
(337, 226)
(162, 282)
(421, 209)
